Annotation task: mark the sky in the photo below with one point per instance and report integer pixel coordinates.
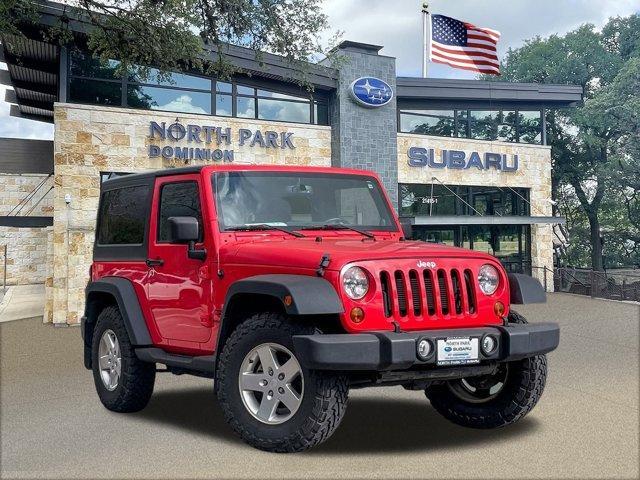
(397, 25)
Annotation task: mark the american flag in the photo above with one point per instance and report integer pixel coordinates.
(463, 45)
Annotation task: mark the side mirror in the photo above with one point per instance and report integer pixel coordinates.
(186, 230)
(407, 227)
(183, 229)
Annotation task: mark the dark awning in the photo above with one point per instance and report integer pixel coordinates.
(443, 92)
(484, 220)
(22, 155)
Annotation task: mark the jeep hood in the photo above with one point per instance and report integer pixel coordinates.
(307, 252)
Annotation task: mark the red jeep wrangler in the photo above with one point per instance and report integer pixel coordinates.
(289, 286)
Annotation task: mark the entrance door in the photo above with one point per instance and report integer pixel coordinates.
(178, 287)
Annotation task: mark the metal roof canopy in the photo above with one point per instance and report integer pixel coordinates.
(20, 155)
(412, 92)
(483, 220)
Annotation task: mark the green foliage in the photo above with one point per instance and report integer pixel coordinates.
(172, 35)
(595, 147)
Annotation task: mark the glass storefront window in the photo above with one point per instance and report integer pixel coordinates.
(246, 107)
(94, 82)
(417, 199)
(179, 80)
(428, 122)
(321, 113)
(484, 124)
(503, 125)
(84, 64)
(95, 91)
(462, 122)
(268, 94)
(508, 243)
(529, 126)
(156, 98)
(223, 105)
(506, 126)
(282, 110)
(224, 87)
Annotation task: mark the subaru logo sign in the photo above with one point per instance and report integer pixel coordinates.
(371, 92)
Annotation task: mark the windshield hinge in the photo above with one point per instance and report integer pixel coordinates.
(324, 263)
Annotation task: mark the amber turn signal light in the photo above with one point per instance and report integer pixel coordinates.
(288, 300)
(357, 315)
(498, 309)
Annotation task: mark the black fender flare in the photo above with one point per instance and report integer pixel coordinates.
(122, 290)
(525, 289)
(309, 295)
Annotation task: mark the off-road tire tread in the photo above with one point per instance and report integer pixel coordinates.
(495, 414)
(137, 378)
(330, 400)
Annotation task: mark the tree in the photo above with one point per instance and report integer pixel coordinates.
(172, 35)
(594, 146)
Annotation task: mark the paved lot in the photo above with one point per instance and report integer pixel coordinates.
(586, 425)
(22, 301)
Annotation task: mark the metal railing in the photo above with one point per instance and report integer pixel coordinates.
(614, 285)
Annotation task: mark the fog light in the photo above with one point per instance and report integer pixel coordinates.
(489, 344)
(357, 315)
(498, 309)
(423, 349)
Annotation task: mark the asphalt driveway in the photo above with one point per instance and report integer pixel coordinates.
(585, 426)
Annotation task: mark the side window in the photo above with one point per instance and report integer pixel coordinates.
(180, 199)
(123, 216)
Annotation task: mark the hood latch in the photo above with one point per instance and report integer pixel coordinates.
(324, 263)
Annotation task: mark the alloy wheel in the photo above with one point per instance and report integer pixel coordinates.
(271, 383)
(109, 360)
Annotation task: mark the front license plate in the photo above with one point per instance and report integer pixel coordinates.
(457, 351)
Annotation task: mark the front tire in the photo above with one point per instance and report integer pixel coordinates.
(268, 398)
(123, 382)
(493, 401)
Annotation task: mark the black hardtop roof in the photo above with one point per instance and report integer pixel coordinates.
(147, 177)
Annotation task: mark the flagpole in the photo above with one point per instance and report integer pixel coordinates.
(426, 37)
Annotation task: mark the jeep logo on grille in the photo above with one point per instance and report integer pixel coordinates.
(422, 264)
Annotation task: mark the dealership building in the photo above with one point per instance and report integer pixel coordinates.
(467, 161)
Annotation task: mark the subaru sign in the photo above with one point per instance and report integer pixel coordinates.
(371, 92)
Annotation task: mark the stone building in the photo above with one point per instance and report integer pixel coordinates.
(466, 161)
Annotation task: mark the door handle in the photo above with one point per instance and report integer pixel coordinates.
(154, 262)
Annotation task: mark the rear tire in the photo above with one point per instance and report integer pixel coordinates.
(322, 396)
(470, 403)
(123, 382)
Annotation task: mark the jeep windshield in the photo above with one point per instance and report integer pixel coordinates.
(256, 200)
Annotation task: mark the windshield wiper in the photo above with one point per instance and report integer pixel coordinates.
(339, 227)
(264, 226)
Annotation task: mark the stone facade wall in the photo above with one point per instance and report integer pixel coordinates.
(89, 140)
(365, 138)
(26, 247)
(534, 173)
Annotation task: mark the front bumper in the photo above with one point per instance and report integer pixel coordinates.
(377, 351)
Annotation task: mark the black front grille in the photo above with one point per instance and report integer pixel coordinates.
(428, 286)
(454, 296)
(401, 293)
(416, 296)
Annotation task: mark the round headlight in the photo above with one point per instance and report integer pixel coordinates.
(488, 279)
(355, 283)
